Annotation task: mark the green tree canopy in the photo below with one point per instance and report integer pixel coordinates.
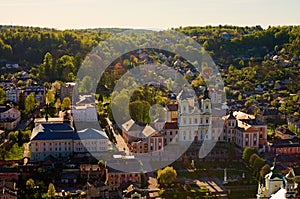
(166, 175)
(30, 103)
(247, 153)
(252, 159)
(66, 104)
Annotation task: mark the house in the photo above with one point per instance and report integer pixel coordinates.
(39, 92)
(284, 133)
(260, 88)
(52, 140)
(285, 146)
(134, 192)
(12, 94)
(295, 122)
(170, 131)
(8, 190)
(245, 130)
(60, 141)
(91, 140)
(270, 115)
(10, 65)
(9, 117)
(84, 113)
(70, 90)
(141, 138)
(117, 179)
(172, 112)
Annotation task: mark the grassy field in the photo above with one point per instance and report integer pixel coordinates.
(15, 153)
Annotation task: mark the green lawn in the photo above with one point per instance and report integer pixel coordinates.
(15, 153)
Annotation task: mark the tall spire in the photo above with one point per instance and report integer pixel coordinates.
(206, 94)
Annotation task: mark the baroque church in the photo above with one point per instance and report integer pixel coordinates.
(194, 122)
(277, 186)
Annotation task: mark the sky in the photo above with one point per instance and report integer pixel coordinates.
(150, 14)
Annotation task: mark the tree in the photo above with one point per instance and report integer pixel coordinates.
(12, 136)
(51, 191)
(258, 164)
(46, 68)
(143, 180)
(30, 184)
(2, 96)
(55, 87)
(167, 175)
(247, 153)
(264, 171)
(49, 97)
(30, 103)
(2, 153)
(57, 104)
(21, 101)
(252, 159)
(139, 111)
(65, 105)
(85, 86)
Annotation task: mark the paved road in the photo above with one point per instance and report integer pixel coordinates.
(121, 145)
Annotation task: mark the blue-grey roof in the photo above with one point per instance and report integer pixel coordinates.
(58, 127)
(54, 132)
(48, 135)
(66, 132)
(91, 133)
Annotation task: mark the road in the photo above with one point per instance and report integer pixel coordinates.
(121, 145)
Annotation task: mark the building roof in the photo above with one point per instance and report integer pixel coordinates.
(4, 109)
(290, 175)
(231, 116)
(285, 131)
(172, 107)
(186, 93)
(275, 171)
(91, 133)
(270, 111)
(170, 125)
(53, 132)
(281, 143)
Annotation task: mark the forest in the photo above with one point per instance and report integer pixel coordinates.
(246, 56)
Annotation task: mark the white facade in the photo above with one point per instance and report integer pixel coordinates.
(85, 113)
(192, 121)
(60, 140)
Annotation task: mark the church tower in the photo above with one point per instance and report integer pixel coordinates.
(289, 181)
(194, 121)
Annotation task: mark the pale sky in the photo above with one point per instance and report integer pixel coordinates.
(154, 14)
